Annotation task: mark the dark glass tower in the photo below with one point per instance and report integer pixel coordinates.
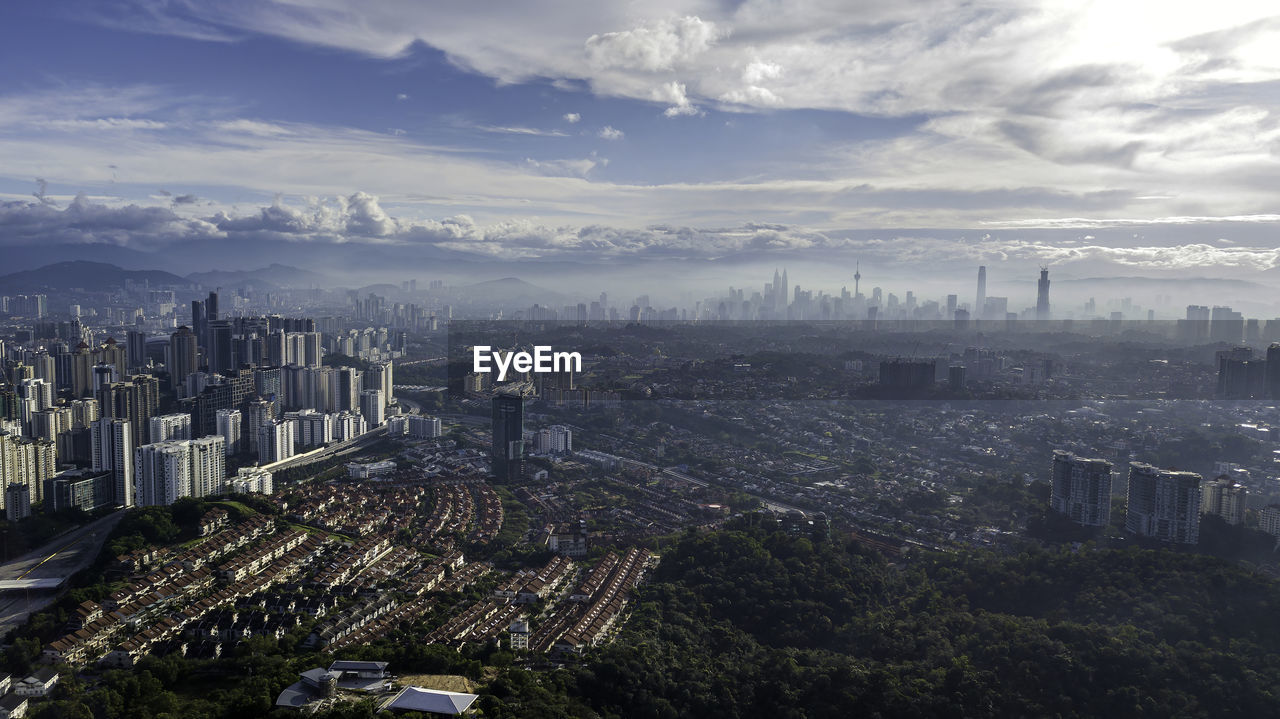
(182, 356)
(507, 453)
(1042, 295)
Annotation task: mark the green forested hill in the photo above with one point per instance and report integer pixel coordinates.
(743, 623)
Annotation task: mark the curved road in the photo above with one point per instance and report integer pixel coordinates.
(62, 557)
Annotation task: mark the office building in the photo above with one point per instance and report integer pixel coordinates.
(135, 351)
(1226, 325)
(1042, 295)
(84, 489)
(981, 300)
(183, 356)
(219, 349)
(507, 451)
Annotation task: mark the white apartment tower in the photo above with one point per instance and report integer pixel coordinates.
(168, 427)
(112, 447)
(229, 429)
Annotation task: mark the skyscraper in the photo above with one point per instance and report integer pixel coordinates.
(1226, 325)
(982, 292)
(373, 407)
(258, 414)
(1042, 295)
(345, 389)
(229, 428)
(219, 347)
(112, 447)
(135, 400)
(380, 376)
(1273, 371)
(170, 426)
(1163, 504)
(163, 472)
(275, 441)
(200, 323)
(208, 466)
(182, 356)
(1081, 489)
(136, 350)
(507, 452)
(211, 307)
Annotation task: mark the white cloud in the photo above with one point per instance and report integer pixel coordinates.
(402, 96)
(253, 127)
(758, 72)
(661, 45)
(1089, 96)
(1085, 222)
(517, 130)
(107, 123)
(360, 219)
(567, 168)
(673, 94)
(752, 95)
(609, 132)
(572, 118)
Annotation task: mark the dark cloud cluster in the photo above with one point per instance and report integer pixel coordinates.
(83, 221)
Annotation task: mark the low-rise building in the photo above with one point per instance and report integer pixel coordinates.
(38, 684)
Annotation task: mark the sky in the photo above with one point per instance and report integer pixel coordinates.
(1109, 137)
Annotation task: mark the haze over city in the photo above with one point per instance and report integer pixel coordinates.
(399, 135)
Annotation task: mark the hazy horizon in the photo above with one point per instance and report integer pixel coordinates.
(725, 137)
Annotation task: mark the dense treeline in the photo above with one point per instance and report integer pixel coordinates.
(743, 623)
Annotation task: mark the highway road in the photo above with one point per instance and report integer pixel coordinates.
(59, 559)
(336, 450)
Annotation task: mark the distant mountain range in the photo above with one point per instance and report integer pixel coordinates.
(102, 276)
(91, 276)
(512, 290)
(274, 275)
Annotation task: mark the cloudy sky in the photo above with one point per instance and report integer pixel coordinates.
(1136, 135)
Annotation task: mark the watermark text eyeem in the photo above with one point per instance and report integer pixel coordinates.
(542, 360)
